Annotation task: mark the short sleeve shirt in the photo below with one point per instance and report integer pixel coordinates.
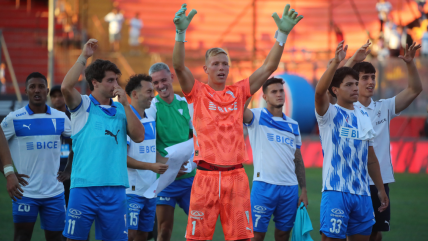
(381, 112)
(35, 144)
(345, 158)
(274, 141)
(217, 122)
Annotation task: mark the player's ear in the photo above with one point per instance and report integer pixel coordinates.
(334, 89)
(95, 83)
(172, 76)
(205, 69)
(264, 97)
(134, 94)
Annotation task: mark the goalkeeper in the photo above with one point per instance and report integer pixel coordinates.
(221, 185)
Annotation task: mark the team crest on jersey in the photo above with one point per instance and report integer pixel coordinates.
(378, 114)
(196, 153)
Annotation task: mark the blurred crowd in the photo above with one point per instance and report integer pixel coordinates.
(393, 37)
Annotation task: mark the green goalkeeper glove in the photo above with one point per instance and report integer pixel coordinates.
(182, 22)
(286, 23)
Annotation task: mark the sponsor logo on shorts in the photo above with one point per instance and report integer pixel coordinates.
(259, 209)
(134, 207)
(196, 214)
(74, 213)
(164, 198)
(338, 213)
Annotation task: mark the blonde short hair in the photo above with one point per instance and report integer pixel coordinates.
(214, 52)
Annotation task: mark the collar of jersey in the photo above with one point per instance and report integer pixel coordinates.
(108, 111)
(371, 105)
(270, 114)
(160, 100)
(136, 113)
(30, 112)
(98, 103)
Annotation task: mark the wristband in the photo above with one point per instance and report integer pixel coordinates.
(8, 169)
(81, 60)
(281, 37)
(180, 36)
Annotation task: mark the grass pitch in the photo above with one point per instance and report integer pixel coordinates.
(409, 211)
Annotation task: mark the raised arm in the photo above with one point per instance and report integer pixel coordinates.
(185, 77)
(321, 98)
(285, 25)
(359, 56)
(414, 88)
(71, 95)
(374, 172)
(301, 177)
(134, 128)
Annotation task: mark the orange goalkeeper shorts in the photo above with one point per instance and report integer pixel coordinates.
(224, 193)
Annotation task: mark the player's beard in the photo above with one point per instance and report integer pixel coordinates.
(279, 106)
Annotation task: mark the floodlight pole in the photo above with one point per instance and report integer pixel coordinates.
(51, 29)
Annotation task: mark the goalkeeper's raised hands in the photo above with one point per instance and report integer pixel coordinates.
(182, 21)
(288, 21)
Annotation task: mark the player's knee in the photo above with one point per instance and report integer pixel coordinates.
(23, 236)
(258, 236)
(376, 236)
(282, 235)
(53, 235)
(165, 232)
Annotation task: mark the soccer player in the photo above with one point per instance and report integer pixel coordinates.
(99, 177)
(278, 164)
(142, 166)
(221, 185)
(347, 141)
(381, 112)
(34, 133)
(58, 102)
(173, 120)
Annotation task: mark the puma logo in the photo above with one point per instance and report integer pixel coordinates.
(27, 126)
(108, 133)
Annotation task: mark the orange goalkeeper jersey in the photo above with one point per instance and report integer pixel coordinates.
(218, 122)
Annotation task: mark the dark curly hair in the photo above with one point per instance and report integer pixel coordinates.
(270, 81)
(97, 70)
(36, 75)
(364, 67)
(134, 82)
(339, 76)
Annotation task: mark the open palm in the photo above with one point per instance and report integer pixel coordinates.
(409, 52)
(182, 21)
(288, 21)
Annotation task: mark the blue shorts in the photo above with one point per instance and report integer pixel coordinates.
(268, 199)
(345, 214)
(106, 205)
(177, 192)
(141, 213)
(52, 211)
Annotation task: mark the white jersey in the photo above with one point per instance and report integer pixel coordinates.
(140, 180)
(274, 141)
(381, 112)
(35, 145)
(345, 158)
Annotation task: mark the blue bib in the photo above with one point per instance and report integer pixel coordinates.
(100, 150)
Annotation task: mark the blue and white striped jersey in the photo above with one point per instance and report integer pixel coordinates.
(274, 141)
(140, 180)
(35, 145)
(345, 157)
